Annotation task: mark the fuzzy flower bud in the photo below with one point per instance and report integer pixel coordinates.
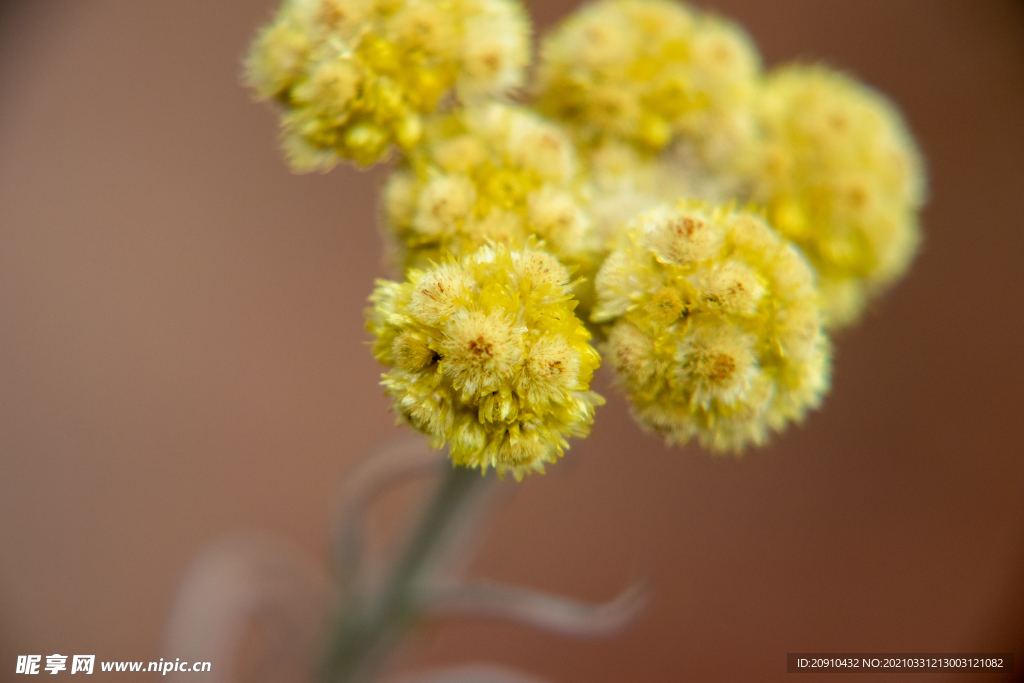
(486, 353)
(842, 178)
(357, 76)
(653, 73)
(714, 326)
(494, 173)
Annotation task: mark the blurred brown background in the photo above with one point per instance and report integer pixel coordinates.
(182, 355)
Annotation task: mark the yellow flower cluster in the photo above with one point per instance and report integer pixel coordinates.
(496, 172)
(714, 325)
(660, 122)
(653, 73)
(356, 76)
(487, 354)
(842, 178)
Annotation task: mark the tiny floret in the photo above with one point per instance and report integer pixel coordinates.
(842, 178)
(356, 77)
(714, 325)
(486, 353)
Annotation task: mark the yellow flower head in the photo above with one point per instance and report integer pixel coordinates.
(486, 353)
(492, 173)
(843, 179)
(496, 172)
(653, 73)
(714, 325)
(357, 76)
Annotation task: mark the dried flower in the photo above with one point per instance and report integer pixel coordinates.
(496, 173)
(356, 76)
(842, 178)
(714, 325)
(487, 354)
(492, 173)
(653, 73)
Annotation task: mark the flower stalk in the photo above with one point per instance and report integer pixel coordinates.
(366, 628)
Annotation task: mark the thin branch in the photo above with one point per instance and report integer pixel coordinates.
(381, 471)
(541, 610)
(362, 637)
(237, 580)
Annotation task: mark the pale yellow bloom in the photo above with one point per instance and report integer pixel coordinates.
(357, 76)
(714, 325)
(653, 73)
(493, 173)
(486, 353)
(842, 178)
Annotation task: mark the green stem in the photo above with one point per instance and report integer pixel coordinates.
(365, 632)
